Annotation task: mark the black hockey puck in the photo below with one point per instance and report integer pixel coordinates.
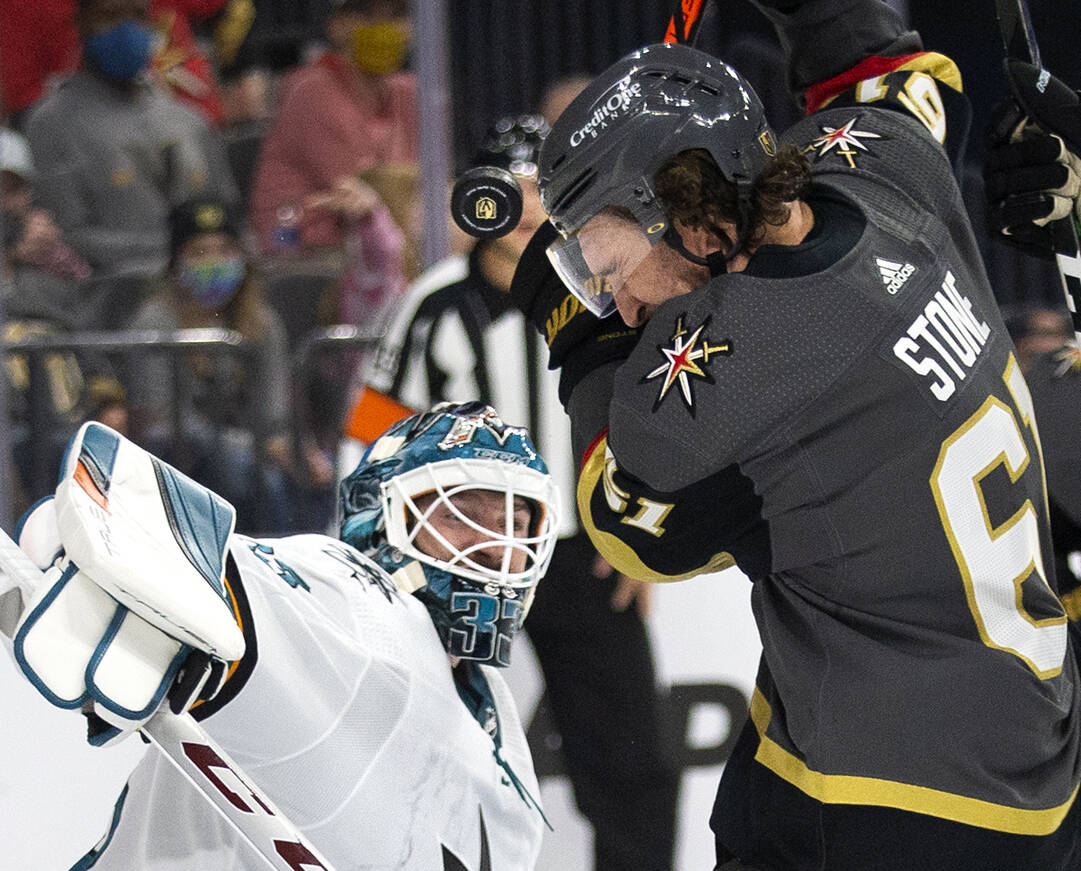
(486, 202)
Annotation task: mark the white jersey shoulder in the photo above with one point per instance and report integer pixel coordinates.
(350, 720)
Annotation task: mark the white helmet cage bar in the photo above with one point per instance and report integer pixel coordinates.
(448, 478)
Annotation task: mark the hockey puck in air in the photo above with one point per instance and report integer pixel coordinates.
(486, 202)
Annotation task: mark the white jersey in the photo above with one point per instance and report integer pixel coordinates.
(350, 720)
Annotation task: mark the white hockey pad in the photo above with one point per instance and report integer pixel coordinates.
(82, 649)
(150, 537)
(41, 547)
(38, 533)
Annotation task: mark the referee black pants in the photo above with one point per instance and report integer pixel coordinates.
(601, 689)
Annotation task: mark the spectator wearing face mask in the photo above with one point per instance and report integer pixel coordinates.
(231, 407)
(39, 43)
(344, 114)
(114, 152)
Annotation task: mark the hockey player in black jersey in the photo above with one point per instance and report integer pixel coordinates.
(809, 378)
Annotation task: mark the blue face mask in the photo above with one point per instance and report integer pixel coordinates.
(122, 52)
(212, 284)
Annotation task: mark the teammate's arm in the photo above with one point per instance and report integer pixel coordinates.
(858, 53)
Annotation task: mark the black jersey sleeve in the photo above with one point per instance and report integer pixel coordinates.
(858, 53)
(655, 536)
(823, 39)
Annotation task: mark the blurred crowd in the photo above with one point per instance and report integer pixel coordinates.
(189, 165)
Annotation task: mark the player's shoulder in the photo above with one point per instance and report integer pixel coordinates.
(914, 101)
(846, 136)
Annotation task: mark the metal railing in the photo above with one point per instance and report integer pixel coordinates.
(42, 428)
(40, 431)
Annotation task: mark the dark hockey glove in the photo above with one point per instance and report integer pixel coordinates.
(1032, 171)
(578, 341)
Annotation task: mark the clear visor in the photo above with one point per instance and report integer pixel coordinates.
(595, 261)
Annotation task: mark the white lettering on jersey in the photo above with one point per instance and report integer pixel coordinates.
(944, 341)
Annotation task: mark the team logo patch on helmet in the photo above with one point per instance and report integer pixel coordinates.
(765, 139)
(464, 428)
(683, 360)
(844, 141)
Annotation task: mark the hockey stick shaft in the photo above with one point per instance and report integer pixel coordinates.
(1019, 43)
(187, 746)
(1015, 25)
(683, 25)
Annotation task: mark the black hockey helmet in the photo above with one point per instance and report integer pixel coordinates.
(605, 148)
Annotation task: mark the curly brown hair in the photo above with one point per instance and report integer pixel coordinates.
(694, 191)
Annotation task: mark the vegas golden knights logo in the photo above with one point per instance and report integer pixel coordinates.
(485, 209)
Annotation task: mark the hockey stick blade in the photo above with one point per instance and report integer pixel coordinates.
(1019, 43)
(187, 746)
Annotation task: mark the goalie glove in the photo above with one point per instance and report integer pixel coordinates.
(1032, 169)
(132, 609)
(578, 341)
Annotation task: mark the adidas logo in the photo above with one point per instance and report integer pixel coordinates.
(894, 274)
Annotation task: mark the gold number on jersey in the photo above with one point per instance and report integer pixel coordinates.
(650, 517)
(996, 561)
(921, 97)
(871, 90)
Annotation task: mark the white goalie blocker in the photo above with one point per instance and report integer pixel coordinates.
(134, 559)
(114, 582)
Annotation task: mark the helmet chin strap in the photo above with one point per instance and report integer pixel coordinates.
(717, 261)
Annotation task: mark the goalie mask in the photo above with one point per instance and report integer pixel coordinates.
(459, 509)
(598, 163)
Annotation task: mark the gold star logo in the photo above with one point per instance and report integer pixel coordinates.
(682, 362)
(843, 140)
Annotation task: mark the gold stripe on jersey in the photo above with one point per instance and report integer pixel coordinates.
(619, 554)
(1071, 601)
(854, 789)
(235, 664)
